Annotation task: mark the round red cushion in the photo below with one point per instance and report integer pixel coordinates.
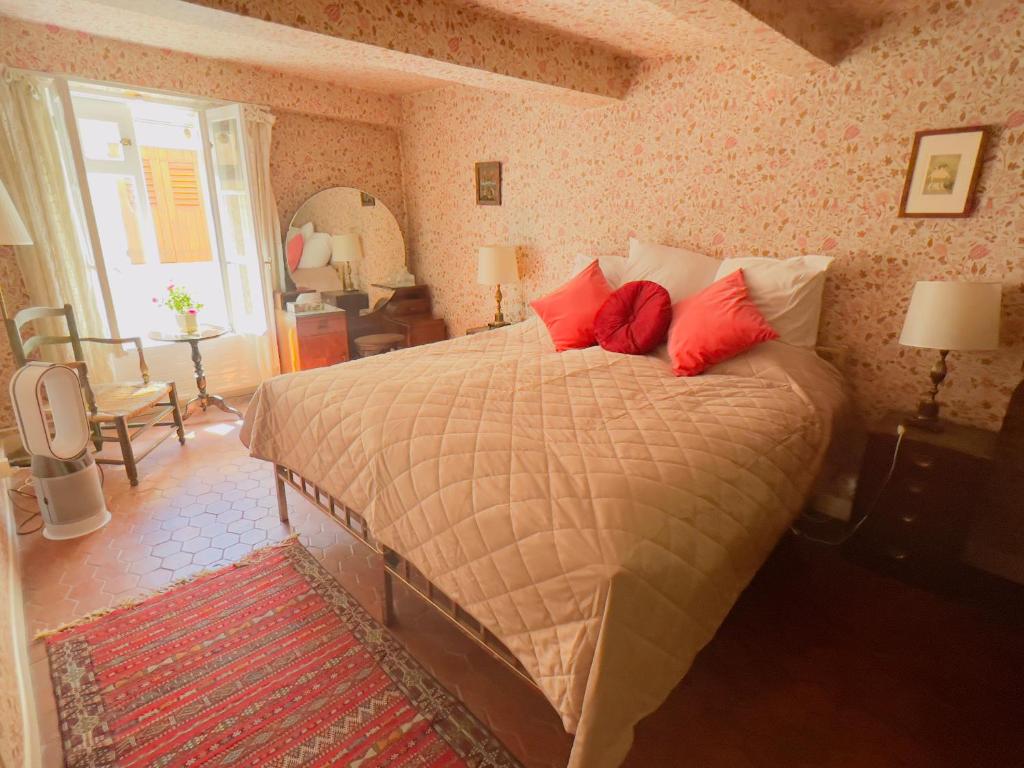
(634, 319)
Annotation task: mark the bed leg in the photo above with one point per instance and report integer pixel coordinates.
(282, 499)
(387, 612)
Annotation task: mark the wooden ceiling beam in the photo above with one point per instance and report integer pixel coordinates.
(452, 43)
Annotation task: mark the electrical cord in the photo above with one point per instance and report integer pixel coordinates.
(851, 530)
(33, 512)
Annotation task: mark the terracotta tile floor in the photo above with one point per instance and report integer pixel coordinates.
(821, 663)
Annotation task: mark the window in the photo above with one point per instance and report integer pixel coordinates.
(170, 198)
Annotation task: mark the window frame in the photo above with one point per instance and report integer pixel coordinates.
(203, 106)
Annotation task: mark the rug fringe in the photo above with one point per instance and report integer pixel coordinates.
(131, 602)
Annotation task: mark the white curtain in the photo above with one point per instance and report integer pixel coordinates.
(57, 266)
(259, 122)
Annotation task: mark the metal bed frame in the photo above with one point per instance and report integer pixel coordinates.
(393, 566)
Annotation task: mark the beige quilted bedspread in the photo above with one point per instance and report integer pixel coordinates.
(597, 513)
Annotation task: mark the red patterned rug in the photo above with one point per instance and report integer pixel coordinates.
(266, 663)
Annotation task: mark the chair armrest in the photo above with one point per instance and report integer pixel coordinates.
(137, 341)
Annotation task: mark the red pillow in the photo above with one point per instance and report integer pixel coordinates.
(711, 326)
(634, 319)
(294, 252)
(569, 312)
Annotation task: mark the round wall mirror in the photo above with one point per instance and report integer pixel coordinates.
(350, 240)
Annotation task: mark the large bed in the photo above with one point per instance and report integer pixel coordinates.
(596, 513)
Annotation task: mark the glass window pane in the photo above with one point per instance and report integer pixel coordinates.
(101, 139)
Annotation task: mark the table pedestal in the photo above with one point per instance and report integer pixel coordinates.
(204, 398)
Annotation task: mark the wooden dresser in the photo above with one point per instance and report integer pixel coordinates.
(409, 311)
(314, 340)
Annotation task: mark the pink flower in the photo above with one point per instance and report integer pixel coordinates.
(170, 286)
(156, 300)
(193, 311)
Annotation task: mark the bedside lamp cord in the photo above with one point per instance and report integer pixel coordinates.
(848, 534)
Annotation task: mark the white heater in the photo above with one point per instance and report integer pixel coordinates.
(54, 429)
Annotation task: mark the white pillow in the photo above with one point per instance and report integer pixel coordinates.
(306, 230)
(316, 250)
(612, 266)
(786, 291)
(679, 271)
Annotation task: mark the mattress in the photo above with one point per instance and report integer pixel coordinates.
(598, 514)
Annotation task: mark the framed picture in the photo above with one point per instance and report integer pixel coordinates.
(367, 200)
(488, 183)
(943, 173)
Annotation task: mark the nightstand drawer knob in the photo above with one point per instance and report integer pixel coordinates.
(908, 517)
(897, 554)
(922, 462)
(916, 487)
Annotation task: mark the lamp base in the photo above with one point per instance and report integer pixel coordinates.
(926, 421)
(927, 416)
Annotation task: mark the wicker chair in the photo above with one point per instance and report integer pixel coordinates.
(126, 408)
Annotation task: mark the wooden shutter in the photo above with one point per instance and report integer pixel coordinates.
(176, 200)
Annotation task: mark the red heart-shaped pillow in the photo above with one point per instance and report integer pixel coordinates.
(634, 319)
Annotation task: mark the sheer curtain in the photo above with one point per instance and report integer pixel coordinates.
(259, 122)
(58, 266)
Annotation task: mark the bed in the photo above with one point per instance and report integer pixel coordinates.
(593, 512)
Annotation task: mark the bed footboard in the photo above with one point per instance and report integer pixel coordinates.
(392, 566)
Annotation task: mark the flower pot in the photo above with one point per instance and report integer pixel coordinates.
(188, 322)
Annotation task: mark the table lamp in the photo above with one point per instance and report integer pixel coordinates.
(12, 232)
(950, 316)
(496, 265)
(346, 248)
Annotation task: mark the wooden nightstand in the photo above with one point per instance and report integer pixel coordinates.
(482, 328)
(312, 339)
(919, 519)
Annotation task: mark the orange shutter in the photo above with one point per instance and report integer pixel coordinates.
(176, 201)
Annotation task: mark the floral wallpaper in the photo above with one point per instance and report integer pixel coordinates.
(719, 153)
(310, 153)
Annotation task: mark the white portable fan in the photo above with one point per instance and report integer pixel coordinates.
(66, 476)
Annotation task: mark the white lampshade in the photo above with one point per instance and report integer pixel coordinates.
(346, 247)
(497, 265)
(953, 316)
(12, 228)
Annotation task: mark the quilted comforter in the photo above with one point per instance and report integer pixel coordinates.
(595, 512)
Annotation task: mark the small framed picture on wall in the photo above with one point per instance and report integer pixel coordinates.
(943, 173)
(488, 183)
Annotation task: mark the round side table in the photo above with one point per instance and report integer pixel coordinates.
(204, 398)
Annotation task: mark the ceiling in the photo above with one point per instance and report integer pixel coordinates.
(582, 51)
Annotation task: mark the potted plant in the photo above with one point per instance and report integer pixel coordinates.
(179, 301)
